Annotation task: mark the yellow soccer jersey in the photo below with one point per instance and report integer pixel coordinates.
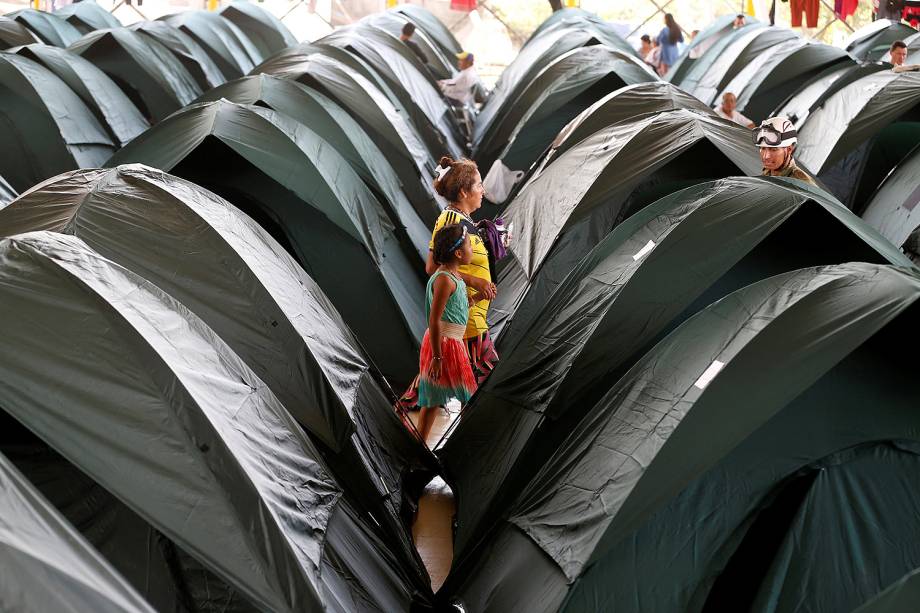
(478, 267)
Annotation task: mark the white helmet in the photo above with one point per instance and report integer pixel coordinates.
(775, 132)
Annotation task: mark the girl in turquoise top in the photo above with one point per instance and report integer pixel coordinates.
(444, 363)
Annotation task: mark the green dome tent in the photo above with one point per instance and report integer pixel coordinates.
(334, 125)
(425, 20)
(192, 55)
(47, 27)
(668, 457)
(165, 417)
(407, 78)
(893, 211)
(153, 79)
(227, 45)
(643, 279)
(305, 194)
(87, 16)
(860, 132)
(602, 180)
(264, 30)
(900, 597)
(108, 103)
(774, 75)
(441, 65)
(44, 126)
(196, 246)
(47, 565)
(14, 34)
(374, 111)
(871, 42)
(697, 48)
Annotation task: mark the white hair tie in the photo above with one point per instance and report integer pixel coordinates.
(441, 171)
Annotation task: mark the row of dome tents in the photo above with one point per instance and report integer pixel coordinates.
(213, 388)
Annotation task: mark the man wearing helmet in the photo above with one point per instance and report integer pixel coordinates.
(777, 138)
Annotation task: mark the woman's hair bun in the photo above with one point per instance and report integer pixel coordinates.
(445, 161)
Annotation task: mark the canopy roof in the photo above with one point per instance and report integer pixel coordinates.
(738, 54)
(13, 33)
(532, 59)
(369, 106)
(273, 525)
(47, 565)
(893, 209)
(334, 125)
(192, 55)
(46, 128)
(87, 16)
(774, 75)
(559, 93)
(641, 280)
(263, 29)
(47, 27)
(154, 80)
(108, 103)
(306, 195)
(226, 43)
(633, 472)
(407, 78)
(872, 41)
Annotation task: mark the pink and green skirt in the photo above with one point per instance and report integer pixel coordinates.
(456, 380)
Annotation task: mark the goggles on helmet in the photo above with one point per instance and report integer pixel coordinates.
(770, 136)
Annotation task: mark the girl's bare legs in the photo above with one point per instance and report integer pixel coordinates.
(426, 417)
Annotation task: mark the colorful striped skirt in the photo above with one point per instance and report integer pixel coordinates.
(456, 379)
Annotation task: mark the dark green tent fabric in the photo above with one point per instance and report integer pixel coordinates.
(47, 565)
(810, 96)
(440, 64)
(103, 97)
(424, 19)
(566, 87)
(901, 597)
(635, 482)
(7, 193)
(893, 208)
(609, 33)
(227, 45)
(871, 42)
(709, 50)
(192, 55)
(643, 279)
(776, 74)
(740, 53)
(153, 79)
(47, 27)
(44, 126)
(264, 30)
(861, 132)
(597, 183)
(533, 58)
(334, 125)
(162, 382)
(566, 14)
(407, 78)
(14, 34)
(307, 196)
(370, 107)
(87, 16)
(198, 248)
(696, 48)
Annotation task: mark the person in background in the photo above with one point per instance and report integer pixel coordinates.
(898, 52)
(407, 31)
(461, 88)
(777, 137)
(668, 38)
(645, 45)
(653, 58)
(738, 23)
(444, 364)
(727, 110)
